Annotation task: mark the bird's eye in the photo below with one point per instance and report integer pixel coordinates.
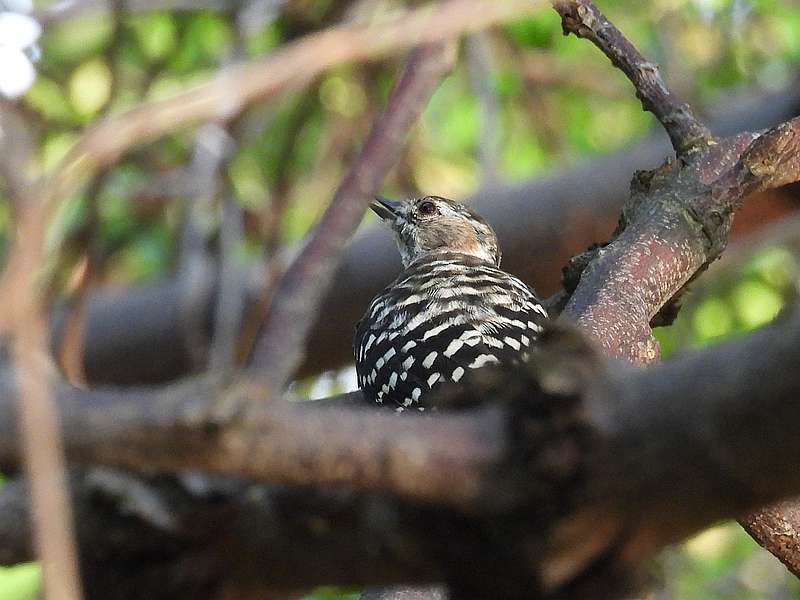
(427, 208)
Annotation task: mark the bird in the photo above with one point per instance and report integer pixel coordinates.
(451, 313)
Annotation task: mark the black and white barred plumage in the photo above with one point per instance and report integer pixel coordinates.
(450, 312)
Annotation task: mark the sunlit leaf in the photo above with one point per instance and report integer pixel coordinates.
(21, 582)
(90, 86)
(76, 39)
(712, 319)
(49, 99)
(756, 303)
(156, 33)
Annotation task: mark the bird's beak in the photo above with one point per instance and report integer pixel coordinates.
(386, 208)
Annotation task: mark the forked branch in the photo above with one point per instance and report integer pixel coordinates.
(676, 222)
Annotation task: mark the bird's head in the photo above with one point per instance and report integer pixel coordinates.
(427, 226)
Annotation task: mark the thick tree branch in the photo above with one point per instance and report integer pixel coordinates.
(180, 428)
(160, 539)
(585, 20)
(590, 464)
(677, 221)
(777, 529)
(678, 218)
(738, 407)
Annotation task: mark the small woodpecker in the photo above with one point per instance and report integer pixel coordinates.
(450, 312)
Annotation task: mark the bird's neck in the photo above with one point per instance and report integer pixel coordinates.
(458, 256)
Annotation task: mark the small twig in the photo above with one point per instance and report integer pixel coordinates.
(280, 346)
(16, 150)
(585, 20)
(215, 146)
(212, 149)
(773, 159)
(71, 350)
(231, 291)
(38, 419)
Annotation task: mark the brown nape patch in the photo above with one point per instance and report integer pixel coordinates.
(451, 234)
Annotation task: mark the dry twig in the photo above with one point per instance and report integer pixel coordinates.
(585, 20)
(38, 420)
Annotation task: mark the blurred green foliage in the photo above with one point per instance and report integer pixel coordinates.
(735, 302)
(559, 101)
(20, 582)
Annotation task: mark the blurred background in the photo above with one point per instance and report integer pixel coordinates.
(522, 103)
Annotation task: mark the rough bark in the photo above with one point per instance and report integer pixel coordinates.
(676, 222)
(777, 529)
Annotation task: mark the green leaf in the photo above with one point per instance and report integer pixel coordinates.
(90, 87)
(206, 37)
(76, 39)
(49, 99)
(331, 593)
(712, 319)
(20, 582)
(540, 30)
(756, 303)
(155, 33)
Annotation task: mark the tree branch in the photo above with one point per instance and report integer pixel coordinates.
(570, 460)
(300, 292)
(677, 221)
(675, 224)
(43, 455)
(777, 529)
(585, 20)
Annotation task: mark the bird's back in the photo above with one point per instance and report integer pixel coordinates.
(439, 321)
